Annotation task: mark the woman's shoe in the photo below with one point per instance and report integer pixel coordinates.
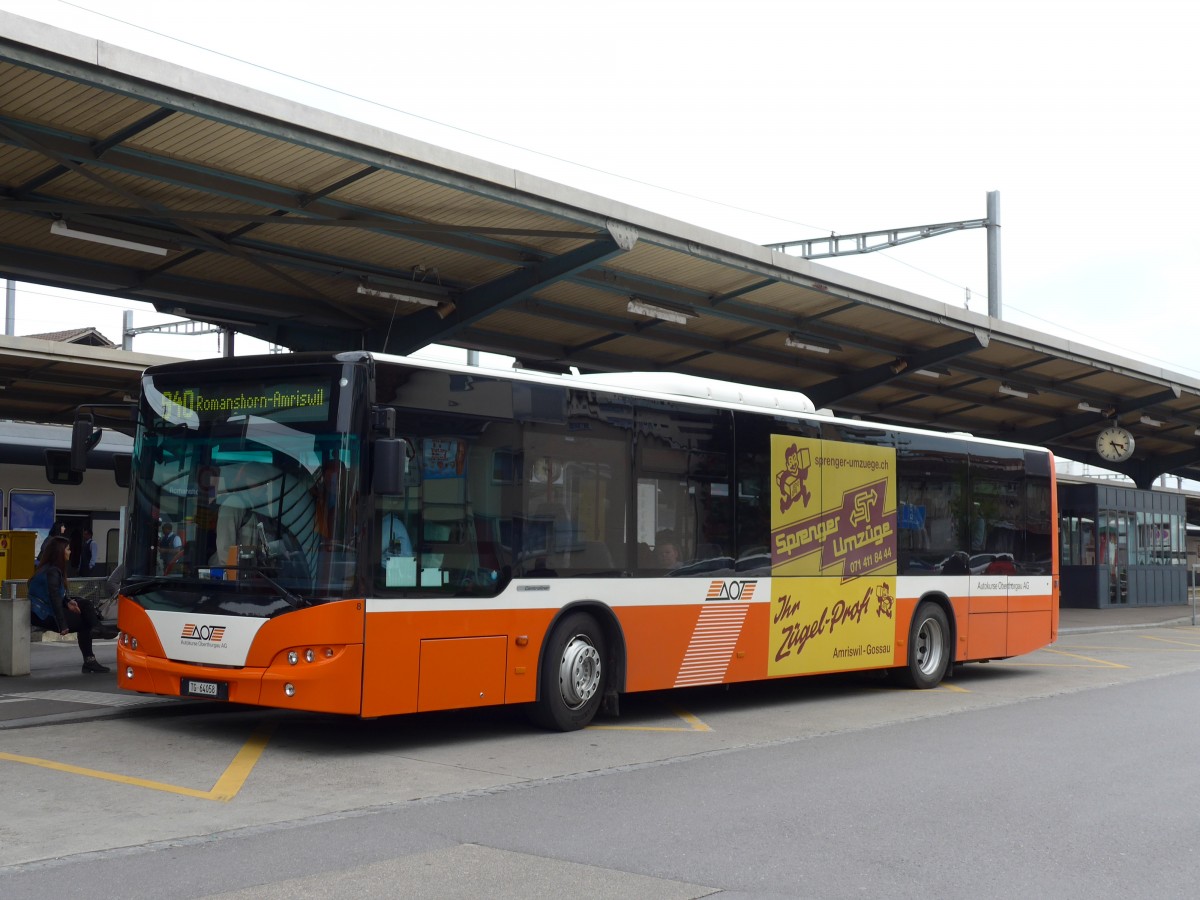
(91, 664)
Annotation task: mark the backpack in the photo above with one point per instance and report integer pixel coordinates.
(39, 597)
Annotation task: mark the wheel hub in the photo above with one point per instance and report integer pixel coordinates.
(929, 646)
(578, 672)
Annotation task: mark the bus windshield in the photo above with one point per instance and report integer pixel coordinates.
(245, 489)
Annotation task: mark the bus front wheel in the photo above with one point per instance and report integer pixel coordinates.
(928, 647)
(572, 676)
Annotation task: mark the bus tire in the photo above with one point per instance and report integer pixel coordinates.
(572, 677)
(928, 647)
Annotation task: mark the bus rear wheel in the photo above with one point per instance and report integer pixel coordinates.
(571, 681)
(928, 647)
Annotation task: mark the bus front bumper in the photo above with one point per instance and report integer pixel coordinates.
(330, 684)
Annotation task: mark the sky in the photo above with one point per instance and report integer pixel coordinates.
(769, 121)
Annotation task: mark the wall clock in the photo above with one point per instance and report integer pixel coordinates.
(1114, 444)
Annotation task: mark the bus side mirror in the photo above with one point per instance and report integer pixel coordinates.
(83, 438)
(390, 475)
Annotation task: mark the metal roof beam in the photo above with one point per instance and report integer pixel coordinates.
(98, 148)
(165, 291)
(545, 351)
(122, 215)
(829, 392)
(1059, 428)
(58, 145)
(723, 307)
(472, 305)
(1170, 462)
(618, 327)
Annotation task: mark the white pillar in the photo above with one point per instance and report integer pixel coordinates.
(14, 635)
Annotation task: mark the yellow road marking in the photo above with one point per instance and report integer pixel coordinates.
(1134, 649)
(224, 790)
(694, 724)
(238, 771)
(952, 687)
(1099, 663)
(1148, 637)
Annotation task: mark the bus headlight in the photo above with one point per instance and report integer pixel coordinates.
(293, 658)
(289, 689)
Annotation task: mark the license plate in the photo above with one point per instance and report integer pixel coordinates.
(214, 690)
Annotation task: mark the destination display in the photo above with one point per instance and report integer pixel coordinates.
(294, 400)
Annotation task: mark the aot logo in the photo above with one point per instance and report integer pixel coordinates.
(731, 590)
(212, 633)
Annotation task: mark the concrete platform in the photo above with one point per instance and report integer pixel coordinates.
(1079, 621)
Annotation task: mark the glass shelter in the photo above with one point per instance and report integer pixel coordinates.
(1122, 546)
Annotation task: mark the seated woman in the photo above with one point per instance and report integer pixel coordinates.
(52, 609)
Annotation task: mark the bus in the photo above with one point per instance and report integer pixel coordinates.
(373, 536)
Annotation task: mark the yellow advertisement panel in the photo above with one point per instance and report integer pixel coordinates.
(831, 624)
(833, 509)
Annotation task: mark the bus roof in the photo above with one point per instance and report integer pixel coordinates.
(666, 386)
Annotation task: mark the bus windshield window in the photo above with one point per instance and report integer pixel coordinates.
(249, 487)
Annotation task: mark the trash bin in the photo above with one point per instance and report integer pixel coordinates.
(17, 554)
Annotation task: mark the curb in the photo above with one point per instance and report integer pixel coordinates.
(1093, 629)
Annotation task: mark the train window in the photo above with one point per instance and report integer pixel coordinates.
(58, 468)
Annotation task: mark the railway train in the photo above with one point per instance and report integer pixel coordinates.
(36, 490)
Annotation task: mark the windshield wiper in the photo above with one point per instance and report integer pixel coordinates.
(293, 600)
(264, 552)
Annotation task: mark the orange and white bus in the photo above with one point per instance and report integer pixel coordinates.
(374, 536)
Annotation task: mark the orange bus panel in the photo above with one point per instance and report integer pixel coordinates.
(457, 673)
(988, 636)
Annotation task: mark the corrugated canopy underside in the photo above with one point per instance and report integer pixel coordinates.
(314, 232)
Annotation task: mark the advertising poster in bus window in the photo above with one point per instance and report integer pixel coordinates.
(443, 458)
(833, 509)
(831, 625)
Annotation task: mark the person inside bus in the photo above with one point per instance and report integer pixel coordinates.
(666, 551)
(394, 536)
(170, 546)
(396, 552)
(50, 607)
(235, 515)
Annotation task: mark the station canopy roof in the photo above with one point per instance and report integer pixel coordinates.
(132, 177)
